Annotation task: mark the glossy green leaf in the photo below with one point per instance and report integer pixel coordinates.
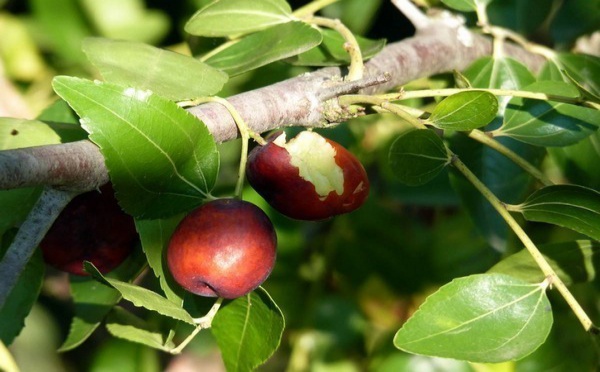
(142, 297)
(574, 262)
(93, 300)
(155, 235)
(549, 123)
(264, 47)
(487, 318)
(21, 299)
(125, 325)
(584, 68)
(466, 5)
(331, 51)
(580, 163)
(161, 160)
(168, 74)
(233, 17)
(571, 206)
(465, 111)
(417, 156)
(506, 180)
(248, 330)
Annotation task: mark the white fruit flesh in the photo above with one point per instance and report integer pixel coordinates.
(315, 159)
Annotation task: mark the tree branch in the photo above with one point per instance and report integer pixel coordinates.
(298, 101)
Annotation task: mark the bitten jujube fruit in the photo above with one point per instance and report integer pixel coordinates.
(224, 248)
(92, 227)
(308, 178)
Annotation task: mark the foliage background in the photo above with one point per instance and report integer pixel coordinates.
(345, 285)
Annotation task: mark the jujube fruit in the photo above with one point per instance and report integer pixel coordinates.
(224, 248)
(92, 227)
(309, 177)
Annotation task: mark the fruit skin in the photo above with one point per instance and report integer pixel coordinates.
(272, 175)
(224, 248)
(92, 227)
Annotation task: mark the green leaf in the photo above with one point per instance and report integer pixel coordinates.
(417, 156)
(168, 74)
(233, 17)
(571, 206)
(574, 262)
(266, 46)
(127, 20)
(465, 111)
(123, 324)
(331, 51)
(21, 299)
(161, 159)
(155, 235)
(141, 297)
(584, 68)
(94, 300)
(548, 123)
(506, 180)
(114, 354)
(466, 5)
(248, 330)
(487, 318)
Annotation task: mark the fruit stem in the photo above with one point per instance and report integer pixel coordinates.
(202, 323)
(30, 234)
(357, 67)
(245, 134)
(543, 264)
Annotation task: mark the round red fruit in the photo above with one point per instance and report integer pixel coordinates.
(224, 248)
(92, 227)
(309, 177)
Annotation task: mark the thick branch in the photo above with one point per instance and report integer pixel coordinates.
(294, 102)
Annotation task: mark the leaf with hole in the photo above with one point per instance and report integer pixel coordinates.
(571, 206)
(146, 67)
(264, 47)
(235, 17)
(331, 51)
(484, 318)
(418, 156)
(465, 111)
(141, 297)
(248, 330)
(549, 123)
(161, 159)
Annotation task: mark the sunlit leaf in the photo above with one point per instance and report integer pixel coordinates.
(233, 17)
(465, 111)
(549, 123)
(155, 235)
(331, 51)
(571, 206)
(574, 262)
(123, 324)
(161, 159)
(416, 157)
(488, 318)
(264, 47)
(248, 330)
(141, 296)
(93, 300)
(143, 66)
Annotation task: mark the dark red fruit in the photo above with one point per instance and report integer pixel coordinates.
(92, 228)
(308, 178)
(225, 248)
